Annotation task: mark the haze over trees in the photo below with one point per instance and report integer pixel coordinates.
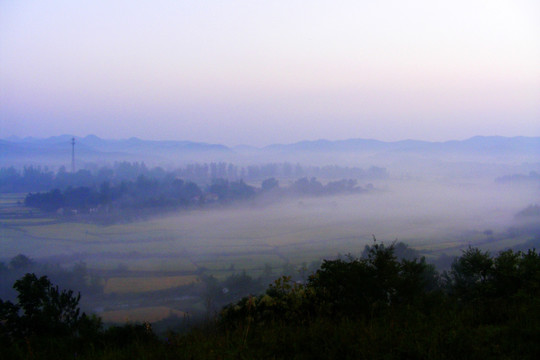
(173, 193)
(36, 178)
(134, 186)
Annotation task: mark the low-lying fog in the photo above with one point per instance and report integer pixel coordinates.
(193, 261)
(420, 213)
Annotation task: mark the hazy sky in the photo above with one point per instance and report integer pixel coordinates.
(260, 72)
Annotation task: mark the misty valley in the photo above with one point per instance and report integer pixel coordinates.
(172, 246)
(269, 180)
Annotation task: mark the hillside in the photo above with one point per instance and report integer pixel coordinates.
(373, 307)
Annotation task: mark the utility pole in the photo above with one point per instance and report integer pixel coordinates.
(73, 155)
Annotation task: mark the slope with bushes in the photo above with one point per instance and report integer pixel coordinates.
(374, 307)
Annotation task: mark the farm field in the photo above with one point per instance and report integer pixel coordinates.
(173, 250)
(121, 285)
(142, 314)
(293, 231)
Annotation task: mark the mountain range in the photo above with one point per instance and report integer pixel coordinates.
(94, 149)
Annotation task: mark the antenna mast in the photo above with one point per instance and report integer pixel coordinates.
(73, 155)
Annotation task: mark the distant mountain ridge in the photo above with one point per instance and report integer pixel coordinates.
(56, 150)
(477, 143)
(94, 149)
(107, 144)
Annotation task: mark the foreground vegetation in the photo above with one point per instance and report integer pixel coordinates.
(373, 307)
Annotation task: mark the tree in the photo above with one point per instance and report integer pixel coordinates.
(269, 184)
(20, 262)
(41, 310)
(469, 274)
(358, 286)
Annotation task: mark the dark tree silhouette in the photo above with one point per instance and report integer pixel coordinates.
(41, 309)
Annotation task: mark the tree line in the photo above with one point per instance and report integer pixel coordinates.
(173, 193)
(36, 178)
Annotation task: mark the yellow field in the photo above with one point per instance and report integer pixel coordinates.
(142, 314)
(124, 285)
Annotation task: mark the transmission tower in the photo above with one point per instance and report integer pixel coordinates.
(73, 155)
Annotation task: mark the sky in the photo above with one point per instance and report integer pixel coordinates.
(262, 72)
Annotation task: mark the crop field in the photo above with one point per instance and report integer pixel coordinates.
(293, 231)
(172, 250)
(121, 285)
(141, 314)
(11, 199)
